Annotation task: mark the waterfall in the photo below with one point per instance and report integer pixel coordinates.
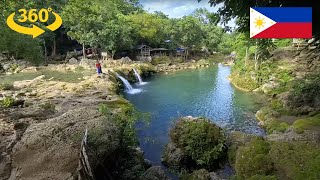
(129, 88)
(139, 77)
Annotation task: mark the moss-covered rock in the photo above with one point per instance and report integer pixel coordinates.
(296, 160)
(276, 126)
(262, 159)
(266, 113)
(200, 143)
(243, 82)
(201, 174)
(252, 159)
(235, 140)
(310, 123)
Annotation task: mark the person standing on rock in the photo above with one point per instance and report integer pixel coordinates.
(98, 66)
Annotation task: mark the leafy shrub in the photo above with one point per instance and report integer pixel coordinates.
(283, 42)
(161, 60)
(7, 102)
(253, 159)
(6, 86)
(200, 140)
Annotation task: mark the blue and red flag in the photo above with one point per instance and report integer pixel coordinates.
(281, 22)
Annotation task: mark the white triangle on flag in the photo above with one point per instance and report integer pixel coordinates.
(259, 22)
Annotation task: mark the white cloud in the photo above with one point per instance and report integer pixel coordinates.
(175, 9)
(178, 8)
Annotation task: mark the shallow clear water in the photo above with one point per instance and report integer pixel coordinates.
(204, 92)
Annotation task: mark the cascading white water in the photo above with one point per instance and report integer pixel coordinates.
(139, 77)
(129, 88)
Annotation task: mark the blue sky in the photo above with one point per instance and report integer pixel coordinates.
(177, 8)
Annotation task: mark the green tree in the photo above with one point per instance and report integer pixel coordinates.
(149, 28)
(97, 23)
(189, 33)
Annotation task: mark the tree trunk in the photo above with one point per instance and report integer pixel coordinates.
(256, 58)
(83, 51)
(246, 59)
(54, 48)
(113, 52)
(45, 52)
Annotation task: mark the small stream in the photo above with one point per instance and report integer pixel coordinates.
(204, 92)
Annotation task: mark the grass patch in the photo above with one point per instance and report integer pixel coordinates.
(309, 123)
(67, 76)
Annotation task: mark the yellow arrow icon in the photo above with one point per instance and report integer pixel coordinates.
(35, 31)
(56, 24)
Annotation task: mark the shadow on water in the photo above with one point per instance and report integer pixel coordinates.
(205, 92)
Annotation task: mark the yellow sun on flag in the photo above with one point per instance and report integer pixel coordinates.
(259, 22)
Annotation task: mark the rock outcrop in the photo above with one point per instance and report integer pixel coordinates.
(51, 149)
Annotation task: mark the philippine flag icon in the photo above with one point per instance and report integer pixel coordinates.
(281, 22)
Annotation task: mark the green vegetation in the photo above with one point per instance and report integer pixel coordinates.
(201, 174)
(283, 42)
(276, 126)
(200, 139)
(274, 160)
(7, 102)
(64, 76)
(310, 123)
(6, 86)
(125, 120)
(296, 160)
(244, 81)
(253, 159)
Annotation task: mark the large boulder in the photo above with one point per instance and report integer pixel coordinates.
(194, 143)
(50, 150)
(87, 63)
(73, 61)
